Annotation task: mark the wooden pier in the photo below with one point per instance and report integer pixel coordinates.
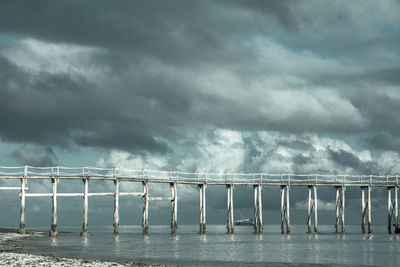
(230, 180)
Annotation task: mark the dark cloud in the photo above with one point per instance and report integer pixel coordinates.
(345, 159)
(384, 141)
(60, 110)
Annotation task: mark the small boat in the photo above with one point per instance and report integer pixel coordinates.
(244, 222)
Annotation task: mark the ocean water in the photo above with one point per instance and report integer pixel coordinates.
(216, 248)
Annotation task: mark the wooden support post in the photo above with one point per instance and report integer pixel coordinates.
(174, 204)
(255, 220)
(287, 210)
(363, 210)
(369, 210)
(85, 207)
(283, 209)
(260, 219)
(22, 215)
(116, 206)
(337, 208)
(315, 209)
(204, 208)
(229, 226)
(145, 217)
(309, 210)
(312, 208)
(389, 210)
(53, 228)
(285, 215)
(202, 189)
(396, 211)
(343, 206)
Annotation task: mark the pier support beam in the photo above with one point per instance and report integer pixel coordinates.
(116, 206)
(392, 209)
(53, 227)
(145, 217)
(396, 211)
(85, 207)
(285, 209)
(22, 214)
(258, 227)
(369, 210)
(229, 226)
(340, 205)
(312, 208)
(174, 204)
(202, 189)
(366, 209)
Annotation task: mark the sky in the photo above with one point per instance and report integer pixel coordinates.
(245, 86)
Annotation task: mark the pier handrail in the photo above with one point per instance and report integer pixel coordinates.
(231, 177)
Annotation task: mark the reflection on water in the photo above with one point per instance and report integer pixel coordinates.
(218, 248)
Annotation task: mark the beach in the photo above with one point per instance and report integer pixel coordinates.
(9, 255)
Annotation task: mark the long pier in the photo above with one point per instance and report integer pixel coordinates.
(202, 180)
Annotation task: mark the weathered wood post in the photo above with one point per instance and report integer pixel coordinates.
(337, 209)
(174, 204)
(287, 210)
(23, 188)
(202, 189)
(85, 203)
(309, 210)
(312, 208)
(285, 215)
(145, 217)
(340, 205)
(363, 210)
(283, 209)
(369, 210)
(260, 216)
(116, 205)
(230, 223)
(258, 227)
(255, 220)
(315, 209)
(396, 211)
(53, 228)
(389, 210)
(343, 206)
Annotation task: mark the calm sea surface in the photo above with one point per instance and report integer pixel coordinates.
(243, 248)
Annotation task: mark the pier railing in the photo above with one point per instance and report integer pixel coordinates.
(96, 173)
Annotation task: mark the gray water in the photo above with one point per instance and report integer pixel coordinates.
(243, 248)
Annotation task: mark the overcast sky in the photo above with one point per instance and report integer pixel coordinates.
(272, 86)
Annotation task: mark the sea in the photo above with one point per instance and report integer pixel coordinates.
(217, 248)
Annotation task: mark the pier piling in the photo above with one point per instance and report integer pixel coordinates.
(145, 217)
(258, 227)
(85, 207)
(229, 226)
(22, 213)
(174, 204)
(312, 208)
(116, 206)
(340, 205)
(202, 189)
(285, 209)
(53, 228)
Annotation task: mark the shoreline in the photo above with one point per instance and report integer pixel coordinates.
(10, 255)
